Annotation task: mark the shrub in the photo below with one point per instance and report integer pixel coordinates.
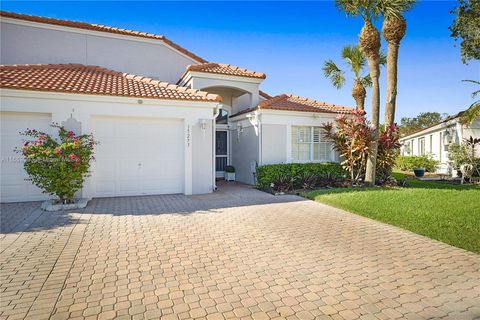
(230, 169)
(408, 163)
(465, 153)
(388, 150)
(351, 137)
(298, 173)
(58, 167)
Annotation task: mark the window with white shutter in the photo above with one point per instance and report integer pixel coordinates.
(309, 145)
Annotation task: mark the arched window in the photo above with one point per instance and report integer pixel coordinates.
(222, 117)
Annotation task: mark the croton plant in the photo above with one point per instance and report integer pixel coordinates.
(60, 165)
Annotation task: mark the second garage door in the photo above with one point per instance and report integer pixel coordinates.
(138, 156)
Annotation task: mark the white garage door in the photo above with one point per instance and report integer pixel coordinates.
(138, 156)
(14, 187)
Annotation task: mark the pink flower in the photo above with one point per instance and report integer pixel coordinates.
(72, 156)
(70, 134)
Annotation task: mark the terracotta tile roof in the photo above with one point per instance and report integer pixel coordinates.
(80, 79)
(226, 69)
(264, 95)
(101, 28)
(289, 102)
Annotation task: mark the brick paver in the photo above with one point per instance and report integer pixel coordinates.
(238, 253)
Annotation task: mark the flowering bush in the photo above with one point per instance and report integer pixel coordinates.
(57, 167)
(351, 137)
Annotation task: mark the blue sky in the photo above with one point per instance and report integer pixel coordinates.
(289, 42)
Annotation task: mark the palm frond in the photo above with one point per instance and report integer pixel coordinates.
(354, 8)
(471, 114)
(393, 8)
(334, 73)
(474, 93)
(355, 58)
(366, 81)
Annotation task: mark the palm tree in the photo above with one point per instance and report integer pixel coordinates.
(354, 57)
(393, 30)
(369, 41)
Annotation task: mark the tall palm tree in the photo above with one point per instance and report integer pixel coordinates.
(356, 60)
(393, 31)
(369, 41)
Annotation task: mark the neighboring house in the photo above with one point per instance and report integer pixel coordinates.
(435, 140)
(155, 137)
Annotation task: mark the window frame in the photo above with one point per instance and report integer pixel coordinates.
(329, 152)
(421, 145)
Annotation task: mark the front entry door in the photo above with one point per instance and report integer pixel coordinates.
(221, 152)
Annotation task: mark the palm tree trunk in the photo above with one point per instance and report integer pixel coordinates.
(392, 60)
(374, 66)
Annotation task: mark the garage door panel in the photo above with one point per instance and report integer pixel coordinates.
(14, 186)
(145, 157)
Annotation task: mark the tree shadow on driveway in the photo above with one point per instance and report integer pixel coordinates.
(28, 217)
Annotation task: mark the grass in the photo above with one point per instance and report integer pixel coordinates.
(439, 210)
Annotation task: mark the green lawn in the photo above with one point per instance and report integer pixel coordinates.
(441, 211)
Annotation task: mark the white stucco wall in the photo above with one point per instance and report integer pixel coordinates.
(26, 42)
(248, 87)
(278, 126)
(245, 150)
(434, 144)
(202, 159)
(274, 142)
(198, 153)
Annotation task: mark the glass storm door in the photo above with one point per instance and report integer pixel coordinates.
(221, 153)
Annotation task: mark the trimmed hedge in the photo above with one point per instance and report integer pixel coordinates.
(268, 174)
(408, 163)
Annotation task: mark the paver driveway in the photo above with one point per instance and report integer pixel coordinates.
(238, 253)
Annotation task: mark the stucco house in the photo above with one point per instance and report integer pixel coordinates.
(435, 140)
(167, 120)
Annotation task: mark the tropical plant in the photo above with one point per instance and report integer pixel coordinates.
(369, 41)
(393, 30)
(356, 61)
(58, 167)
(473, 112)
(466, 27)
(388, 150)
(308, 180)
(282, 183)
(465, 153)
(352, 138)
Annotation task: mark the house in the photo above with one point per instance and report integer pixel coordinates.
(167, 120)
(436, 139)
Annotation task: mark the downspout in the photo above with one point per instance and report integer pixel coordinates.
(215, 115)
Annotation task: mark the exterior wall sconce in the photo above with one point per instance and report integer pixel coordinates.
(254, 120)
(203, 126)
(239, 130)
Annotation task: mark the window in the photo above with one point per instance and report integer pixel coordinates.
(308, 144)
(222, 117)
(421, 146)
(431, 143)
(407, 148)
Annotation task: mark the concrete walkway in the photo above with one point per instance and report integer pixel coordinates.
(238, 253)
